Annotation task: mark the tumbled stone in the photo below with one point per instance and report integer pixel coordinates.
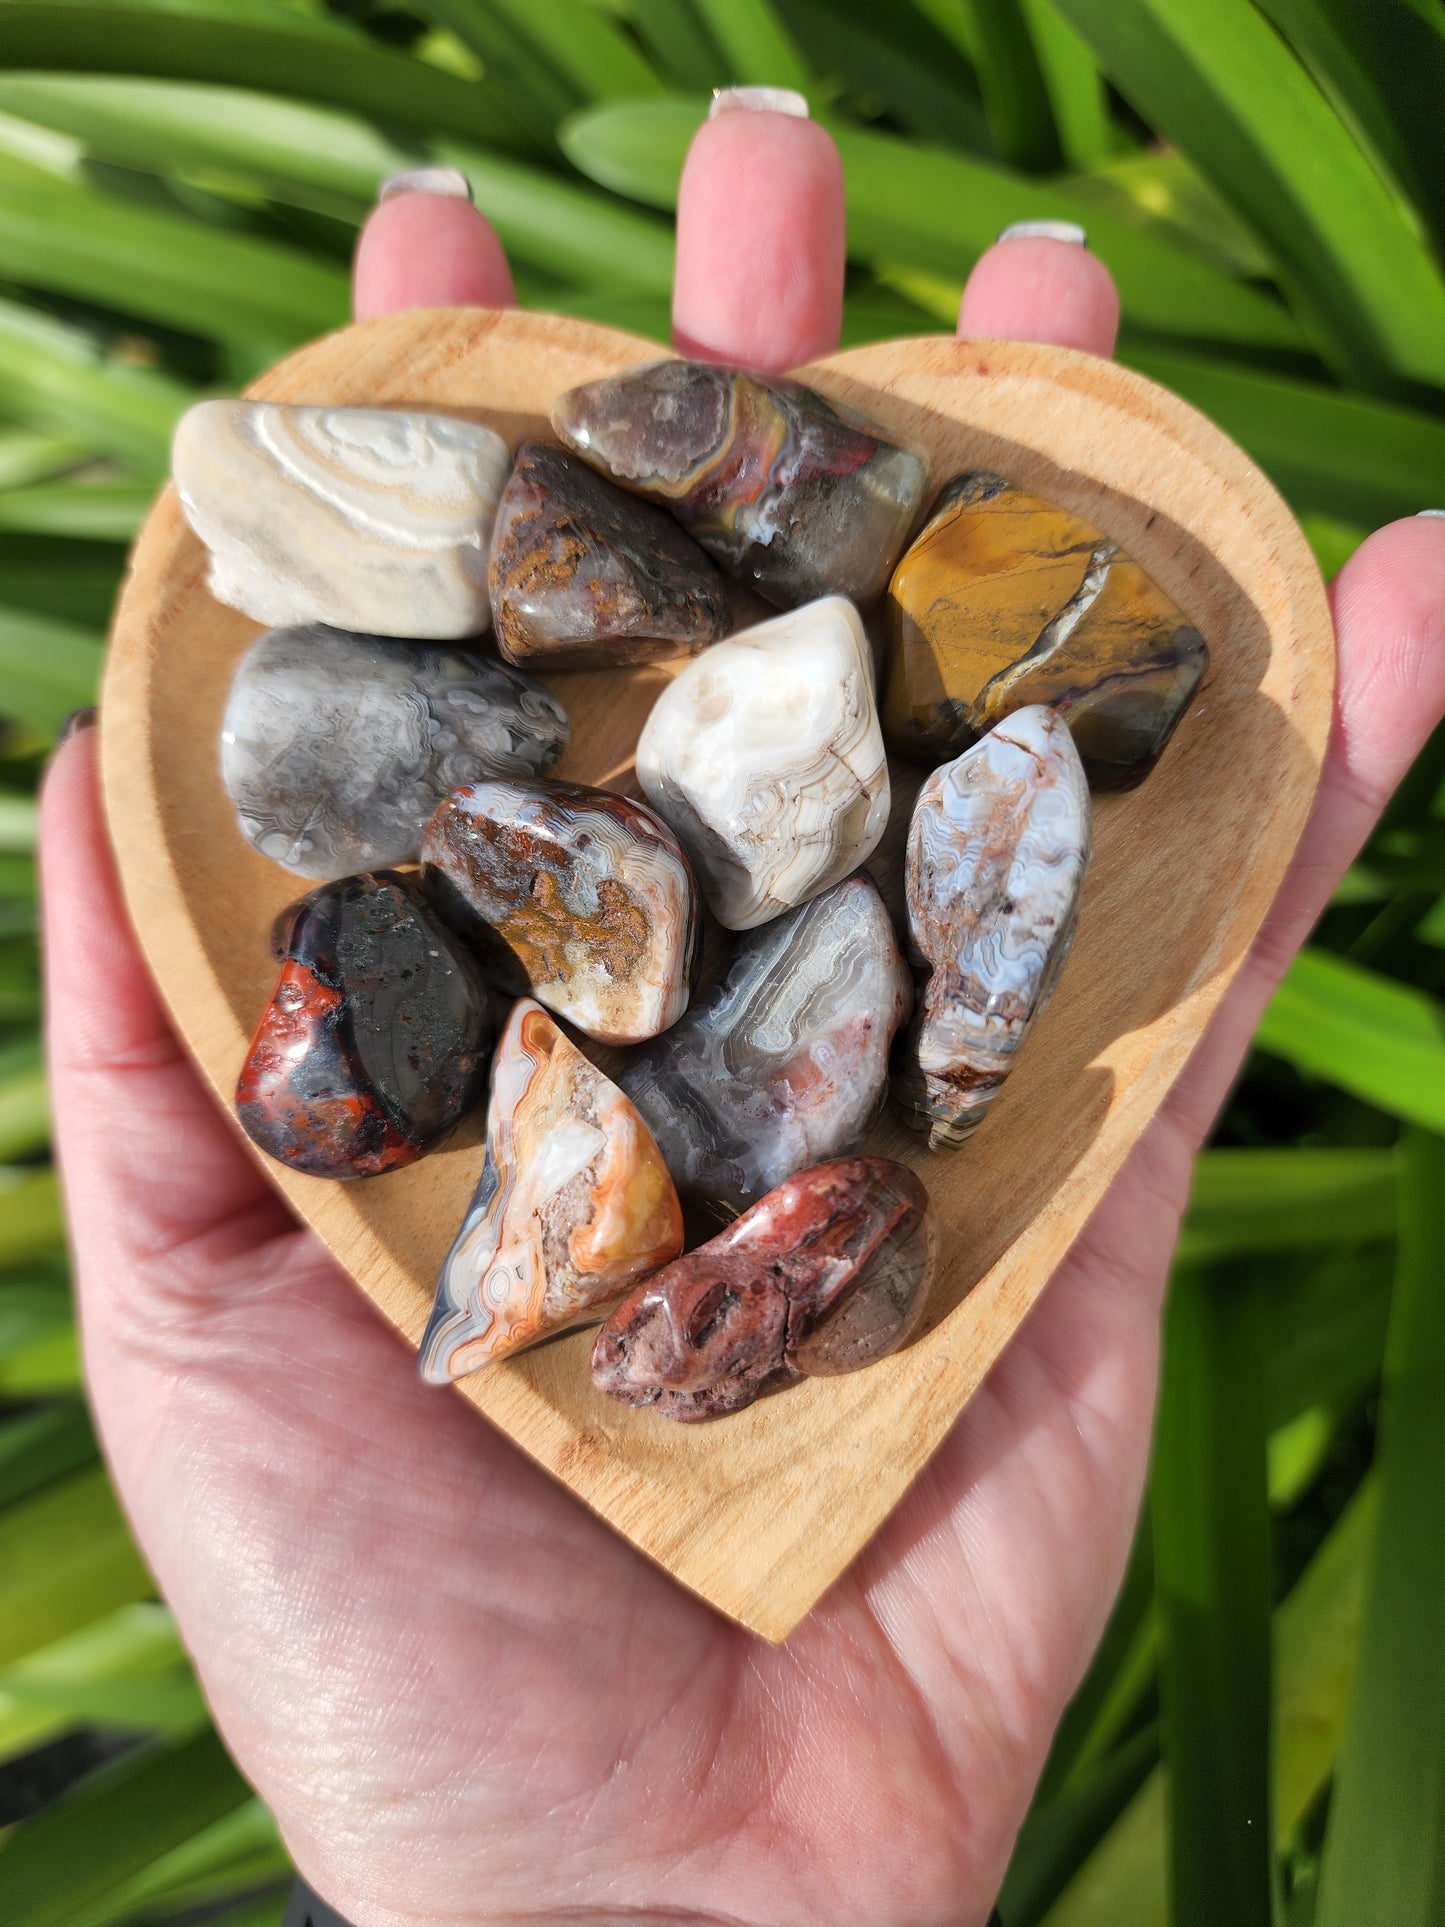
(997, 851)
(583, 898)
(586, 576)
(376, 1037)
(372, 519)
(766, 756)
(786, 1061)
(793, 494)
(336, 748)
(828, 1273)
(1006, 600)
(574, 1203)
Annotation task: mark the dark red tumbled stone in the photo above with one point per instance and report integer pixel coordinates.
(377, 1036)
(827, 1273)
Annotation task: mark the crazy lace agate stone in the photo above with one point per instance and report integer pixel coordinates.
(370, 519)
(376, 1038)
(766, 756)
(585, 576)
(997, 852)
(336, 748)
(786, 1061)
(1006, 600)
(574, 1203)
(791, 493)
(826, 1274)
(583, 898)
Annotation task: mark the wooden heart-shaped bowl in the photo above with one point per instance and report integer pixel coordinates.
(760, 1511)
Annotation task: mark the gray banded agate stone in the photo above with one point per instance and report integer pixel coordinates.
(337, 748)
(786, 1062)
(997, 852)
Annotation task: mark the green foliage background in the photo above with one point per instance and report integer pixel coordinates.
(1262, 1736)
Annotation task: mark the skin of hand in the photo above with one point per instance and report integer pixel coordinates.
(465, 1698)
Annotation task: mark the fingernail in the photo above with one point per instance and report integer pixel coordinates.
(447, 181)
(757, 100)
(1045, 231)
(1437, 515)
(75, 722)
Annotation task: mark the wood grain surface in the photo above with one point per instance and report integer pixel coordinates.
(759, 1512)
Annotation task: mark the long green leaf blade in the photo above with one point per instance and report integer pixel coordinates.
(66, 1559)
(756, 45)
(1214, 78)
(1384, 1858)
(1381, 1040)
(1210, 1514)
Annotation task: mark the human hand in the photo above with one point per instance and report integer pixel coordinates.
(463, 1696)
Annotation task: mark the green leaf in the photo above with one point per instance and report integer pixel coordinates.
(1015, 96)
(852, 50)
(315, 158)
(66, 1559)
(1056, 1841)
(1383, 67)
(24, 1114)
(929, 209)
(1324, 1320)
(1342, 455)
(18, 822)
(1282, 1200)
(758, 48)
(40, 1446)
(595, 57)
(1122, 1884)
(59, 379)
(1380, 1040)
(96, 511)
(1210, 1513)
(1165, 192)
(1384, 1855)
(239, 1852)
(26, 457)
(293, 59)
(47, 668)
(136, 1645)
(111, 1826)
(144, 261)
(1072, 82)
(678, 42)
(31, 1222)
(1213, 77)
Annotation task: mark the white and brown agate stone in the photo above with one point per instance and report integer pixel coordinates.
(997, 852)
(766, 756)
(573, 1205)
(582, 898)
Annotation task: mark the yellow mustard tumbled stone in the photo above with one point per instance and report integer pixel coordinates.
(1005, 600)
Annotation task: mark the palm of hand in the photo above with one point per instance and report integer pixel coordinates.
(462, 1695)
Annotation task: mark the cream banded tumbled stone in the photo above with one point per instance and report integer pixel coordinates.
(371, 519)
(766, 757)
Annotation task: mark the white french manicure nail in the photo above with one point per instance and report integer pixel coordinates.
(449, 182)
(1437, 514)
(1045, 231)
(757, 100)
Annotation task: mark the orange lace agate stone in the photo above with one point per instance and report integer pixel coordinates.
(573, 1205)
(1005, 600)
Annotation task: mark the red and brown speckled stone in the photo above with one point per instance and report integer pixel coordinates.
(824, 1275)
(586, 576)
(376, 1038)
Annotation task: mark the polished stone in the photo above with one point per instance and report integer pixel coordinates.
(1006, 600)
(828, 1273)
(790, 492)
(786, 1061)
(766, 756)
(376, 1038)
(997, 852)
(573, 1205)
(336, 748)
(586, 576)
(583, 898)
(371, 519)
